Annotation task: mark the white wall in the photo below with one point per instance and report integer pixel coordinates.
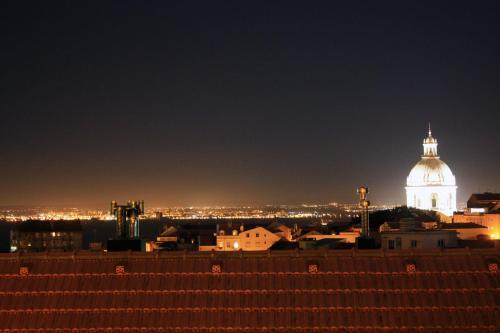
(421, 197)
(257, 239)
(425, 239)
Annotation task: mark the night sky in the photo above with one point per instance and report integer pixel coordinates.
(243, 102)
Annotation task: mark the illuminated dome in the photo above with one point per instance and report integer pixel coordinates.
(430, 171)
(431, 184)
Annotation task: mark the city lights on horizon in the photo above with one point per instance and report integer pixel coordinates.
(330, 210)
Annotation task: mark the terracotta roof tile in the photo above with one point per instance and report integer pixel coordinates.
(352, 292)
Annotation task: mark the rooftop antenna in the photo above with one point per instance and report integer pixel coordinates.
(430, 132)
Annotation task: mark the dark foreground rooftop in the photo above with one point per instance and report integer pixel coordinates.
(283, 291)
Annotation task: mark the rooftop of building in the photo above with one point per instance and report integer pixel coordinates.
(488, 200)
(83, 262)
(420, 231)
(49, 226)
(486, 196)
(278, 291)
(465, 225)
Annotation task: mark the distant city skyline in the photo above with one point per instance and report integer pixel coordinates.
(255, 103)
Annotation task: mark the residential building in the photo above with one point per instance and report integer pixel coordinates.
(255, 239)
(36, 236)
(411, 235)
(482, 209)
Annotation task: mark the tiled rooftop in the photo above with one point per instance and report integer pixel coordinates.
(281, 291)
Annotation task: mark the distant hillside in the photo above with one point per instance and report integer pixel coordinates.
(377, 218)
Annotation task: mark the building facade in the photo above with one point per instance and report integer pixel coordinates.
(421, 239)
(255, 239)
(431, 185)
(482, 209)
(37, 236)
(412, 235)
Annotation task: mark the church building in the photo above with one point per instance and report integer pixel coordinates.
(431, 184)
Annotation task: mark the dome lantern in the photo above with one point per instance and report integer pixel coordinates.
(430, 145)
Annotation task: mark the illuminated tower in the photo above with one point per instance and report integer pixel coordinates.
(127, 218)
(364, 204)
(431, 184)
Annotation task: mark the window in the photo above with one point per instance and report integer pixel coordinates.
(398, 242)
(434, 198)
(413, 244)
(228, 245)
(441, 243)
(257, 235)
(390, 244)
(248, 235)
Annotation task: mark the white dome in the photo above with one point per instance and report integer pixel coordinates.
(430, 171)
(431, 184)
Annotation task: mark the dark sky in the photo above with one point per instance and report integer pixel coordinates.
(243, 102)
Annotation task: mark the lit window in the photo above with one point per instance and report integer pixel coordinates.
(236, 245)
(221, 245)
